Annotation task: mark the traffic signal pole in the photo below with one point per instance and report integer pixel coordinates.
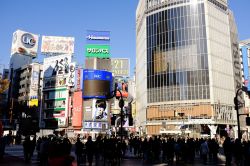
(237, 112)
(236, 103)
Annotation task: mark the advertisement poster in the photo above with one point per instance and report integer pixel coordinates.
(122, 84)
(120, 67)
(24, 43)
(57, 44)
(98, 37)
(56, 65)
(100, 110)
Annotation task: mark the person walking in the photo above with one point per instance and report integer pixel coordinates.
(27, 145)
(228, 148)
(90, 150)
(78, 151)
(204, 151)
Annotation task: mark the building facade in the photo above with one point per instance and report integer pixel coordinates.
(184, 67)
(30, 84)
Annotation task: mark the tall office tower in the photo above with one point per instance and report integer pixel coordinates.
(184, 67)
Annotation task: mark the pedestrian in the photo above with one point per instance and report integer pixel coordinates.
(27, 149)
(204, 151)
(78, 151)
(228, 148)
(90, 150)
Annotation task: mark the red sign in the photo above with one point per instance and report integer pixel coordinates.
(77, 109)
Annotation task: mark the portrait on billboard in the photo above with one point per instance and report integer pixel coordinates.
(100, 110)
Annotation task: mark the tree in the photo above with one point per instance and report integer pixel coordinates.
(4, 85)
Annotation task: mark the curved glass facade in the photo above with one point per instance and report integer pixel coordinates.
(177, 58)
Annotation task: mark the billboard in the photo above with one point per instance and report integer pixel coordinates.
(71, 77)
(121, 83)
(99, 51)
(57, 44)
(98, 37)
(77, 109)
(56, 65)
(120, 66)
(100, 110)
(24, 43)
(96, 83)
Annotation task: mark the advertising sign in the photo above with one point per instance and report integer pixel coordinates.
(33, 102)
(57, 44)
(77, 109)
(98, 37)
(61, 121)
(96, 125)
(78, 79)
(121, 83)
(71, 77)
(56, 65)
(244, 51)
(99, 51)
(24, 43)
(120, 66)
(35, 79)
(96, 83)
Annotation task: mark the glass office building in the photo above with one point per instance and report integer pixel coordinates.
(184, 66)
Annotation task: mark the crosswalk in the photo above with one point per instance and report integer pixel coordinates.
(17, 151)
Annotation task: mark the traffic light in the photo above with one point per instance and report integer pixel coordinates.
(248, 121)
(236, 106)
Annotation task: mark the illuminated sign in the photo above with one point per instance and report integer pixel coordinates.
(96, 83)
(100, 51)
(98, 37)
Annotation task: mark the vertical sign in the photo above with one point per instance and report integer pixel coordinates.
(77, 109)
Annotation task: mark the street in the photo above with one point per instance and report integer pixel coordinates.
(14, 157)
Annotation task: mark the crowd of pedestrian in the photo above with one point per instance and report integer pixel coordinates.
(56, 150)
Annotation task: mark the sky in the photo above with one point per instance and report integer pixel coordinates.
(73, 17)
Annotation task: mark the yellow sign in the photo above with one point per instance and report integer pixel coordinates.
(33, 102)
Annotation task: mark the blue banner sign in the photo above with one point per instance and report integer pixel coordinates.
(96, 84)
(98, 37)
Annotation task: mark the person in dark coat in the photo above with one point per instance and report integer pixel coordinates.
(78, 151)
(27, 145)
(90, 150)
(228, 150)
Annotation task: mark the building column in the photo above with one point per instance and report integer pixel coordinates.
(213, 130)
